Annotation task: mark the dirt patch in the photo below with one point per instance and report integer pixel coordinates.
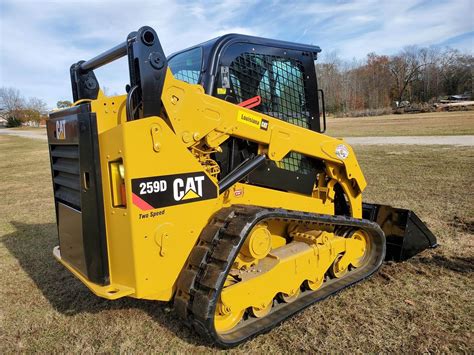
(36, 133)
(463, 265)
(463, 224)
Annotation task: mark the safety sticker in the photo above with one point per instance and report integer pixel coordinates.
(253, 120)
(221, 91)
(225, 77)
(162, 191)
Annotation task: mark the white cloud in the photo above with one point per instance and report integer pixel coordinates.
(40, 40)
(364, 26)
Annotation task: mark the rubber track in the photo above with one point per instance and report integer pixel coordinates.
(203, 277)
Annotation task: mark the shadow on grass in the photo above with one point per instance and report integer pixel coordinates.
(32, 245)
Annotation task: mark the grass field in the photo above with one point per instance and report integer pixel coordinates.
(422, 305)
(421, 124)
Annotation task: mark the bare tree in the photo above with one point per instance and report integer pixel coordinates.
(17, 110)
(406, 68)
(418, 74)
(11, 100)
(34, 111)
(38, 105)
(457, 72)
(11, 105)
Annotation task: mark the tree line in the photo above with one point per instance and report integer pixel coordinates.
(379, 83)
(17, 109)
(374, 85)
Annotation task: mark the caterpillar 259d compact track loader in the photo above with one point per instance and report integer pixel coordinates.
(210, 184)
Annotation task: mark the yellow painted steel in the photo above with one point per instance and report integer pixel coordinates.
(285, 269)
(148, 249)
(110, 292)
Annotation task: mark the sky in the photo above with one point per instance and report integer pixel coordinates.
(40, 39)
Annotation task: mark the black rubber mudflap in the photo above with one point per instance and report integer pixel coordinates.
(405, 233)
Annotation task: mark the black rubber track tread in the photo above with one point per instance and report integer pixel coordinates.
(203, 277)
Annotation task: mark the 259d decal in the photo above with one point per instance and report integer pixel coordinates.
(161, 191)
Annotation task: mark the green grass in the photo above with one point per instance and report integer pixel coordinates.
(422, 305)
(421, 124)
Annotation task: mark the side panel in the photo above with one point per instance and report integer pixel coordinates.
(74, 152)
(149, 246)
(149, 239)
(269, 175)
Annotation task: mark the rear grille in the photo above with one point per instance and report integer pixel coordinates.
(66, 174)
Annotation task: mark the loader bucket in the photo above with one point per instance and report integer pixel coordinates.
(405, 233)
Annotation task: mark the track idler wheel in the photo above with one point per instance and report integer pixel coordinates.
(364, 237)
(225, 319)
(337, 270)
(256, 247)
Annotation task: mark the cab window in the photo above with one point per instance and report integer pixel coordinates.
(186, 66)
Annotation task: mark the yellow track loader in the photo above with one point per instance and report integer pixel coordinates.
(210, 184)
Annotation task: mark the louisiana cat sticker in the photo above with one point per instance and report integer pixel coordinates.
(169, 190)
(252, 120)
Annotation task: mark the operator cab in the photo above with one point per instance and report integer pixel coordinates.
(237, 68)
(272, 77)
